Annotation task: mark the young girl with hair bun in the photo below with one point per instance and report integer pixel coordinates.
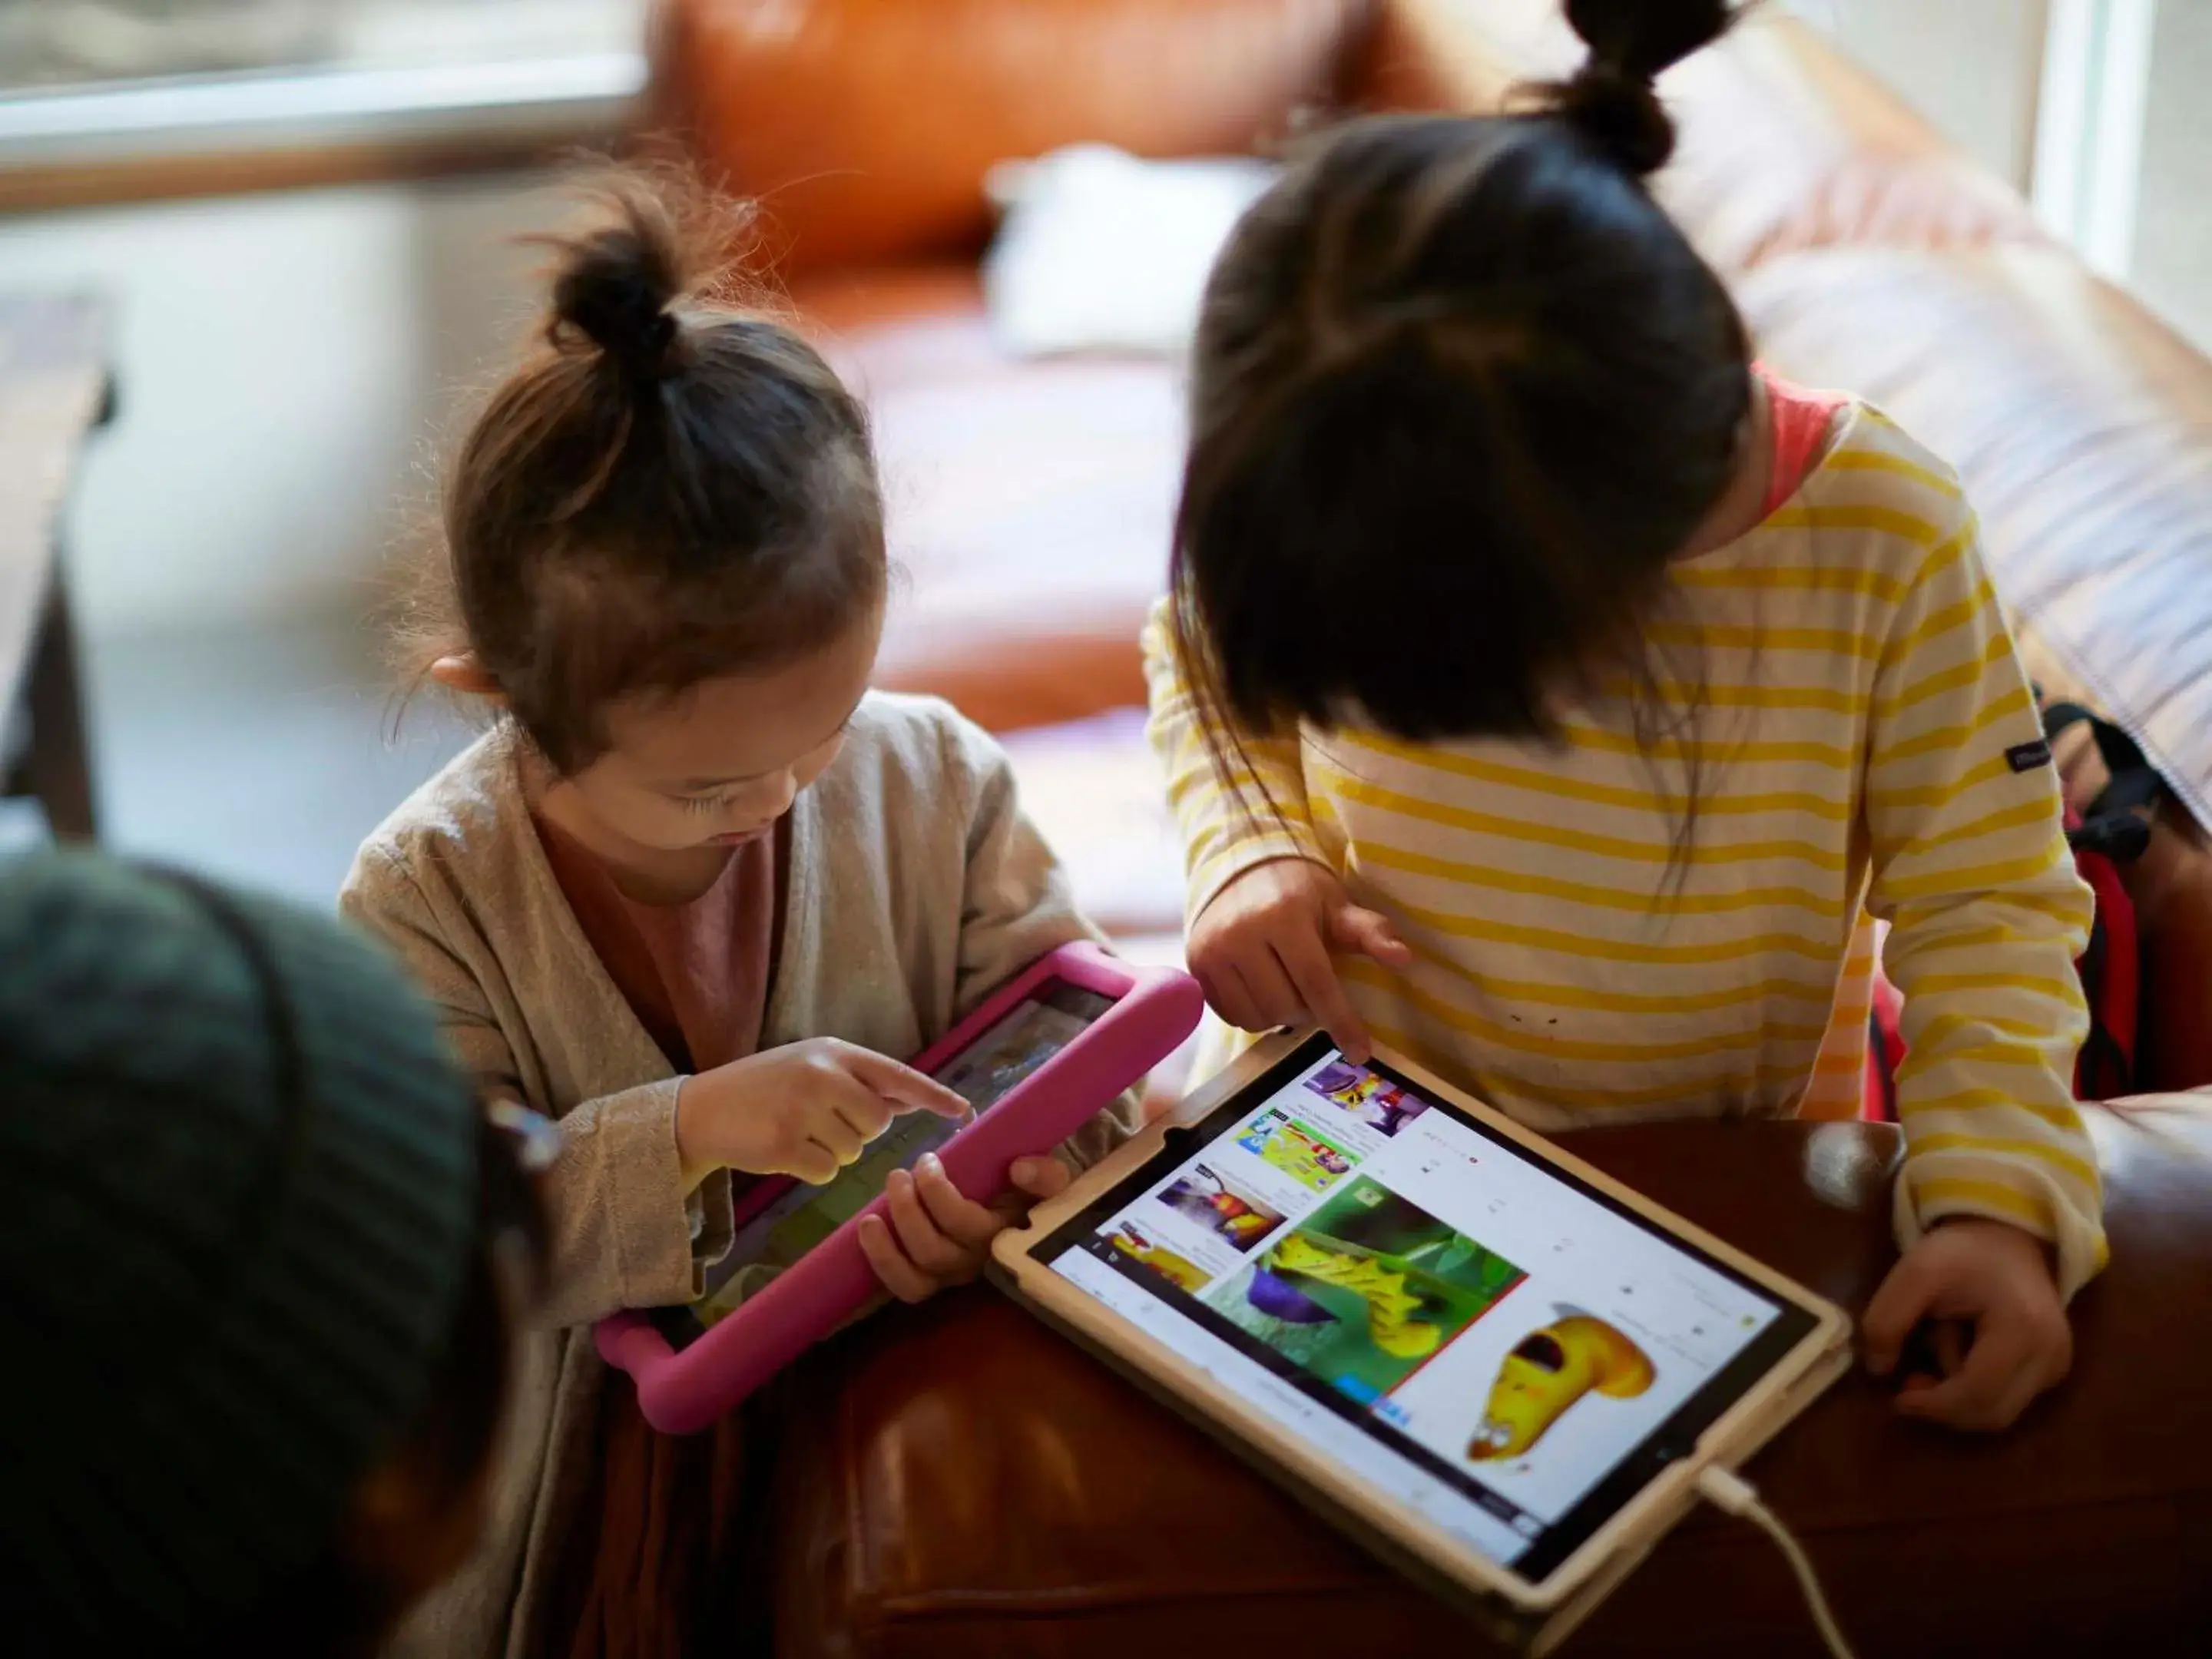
(1550, 690)
(691, 891)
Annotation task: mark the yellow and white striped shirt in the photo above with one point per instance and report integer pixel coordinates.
(1864, 745)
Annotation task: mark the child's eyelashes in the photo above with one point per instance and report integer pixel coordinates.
(701, 804)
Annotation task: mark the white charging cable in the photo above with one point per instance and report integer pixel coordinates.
(1726, 1492)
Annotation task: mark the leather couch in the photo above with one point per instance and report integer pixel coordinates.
(962, 1483)
(1030, 501)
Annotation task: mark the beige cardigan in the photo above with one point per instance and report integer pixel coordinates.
(915, 885)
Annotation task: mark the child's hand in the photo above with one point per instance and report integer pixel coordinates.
(805, 1110)
(1998, 1280)
(936, 1238)
(1261, 950)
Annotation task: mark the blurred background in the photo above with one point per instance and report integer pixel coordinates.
(254, 254)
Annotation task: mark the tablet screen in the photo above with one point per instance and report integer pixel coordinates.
(1485, 1338)
(983, 1073)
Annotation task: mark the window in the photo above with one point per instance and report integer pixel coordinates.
(105, 99)
(2124, 148)
(53, 44)
(2094, 108)
(2170, 262)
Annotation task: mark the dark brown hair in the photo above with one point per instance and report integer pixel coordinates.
(672, 488)
(1461, 390)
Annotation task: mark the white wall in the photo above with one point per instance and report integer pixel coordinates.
(2172, 268)
(283, 364)
(1970, 67)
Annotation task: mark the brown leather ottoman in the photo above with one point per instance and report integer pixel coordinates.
(965, 1483)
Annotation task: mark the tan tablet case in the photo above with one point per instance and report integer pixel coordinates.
(1533, 1618)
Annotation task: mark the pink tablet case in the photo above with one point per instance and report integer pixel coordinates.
(1154, 1010)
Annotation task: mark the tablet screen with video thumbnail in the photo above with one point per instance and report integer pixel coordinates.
(1477, 1333)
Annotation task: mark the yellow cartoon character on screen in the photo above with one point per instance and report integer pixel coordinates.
(1546, 1372)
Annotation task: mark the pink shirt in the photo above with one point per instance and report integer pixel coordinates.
(1800, 422)
(695, 975)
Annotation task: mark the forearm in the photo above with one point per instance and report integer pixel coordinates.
(1993, 1017)
(627, 1229)
(1972, 872)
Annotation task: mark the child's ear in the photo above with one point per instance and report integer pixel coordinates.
(461, 671)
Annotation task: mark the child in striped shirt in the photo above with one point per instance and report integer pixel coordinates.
(1549, 692)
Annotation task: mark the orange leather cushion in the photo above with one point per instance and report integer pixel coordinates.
(869, 124)
(1029, 502)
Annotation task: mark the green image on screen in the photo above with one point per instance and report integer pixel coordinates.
(1365, 1290)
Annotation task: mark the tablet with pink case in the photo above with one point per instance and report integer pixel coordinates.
(1040, 1057)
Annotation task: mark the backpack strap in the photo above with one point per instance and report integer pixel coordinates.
(2117, 822)
(1883, 1067)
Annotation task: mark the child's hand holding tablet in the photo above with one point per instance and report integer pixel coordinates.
(922, 1166)
(808, 1110)
(929, 1237)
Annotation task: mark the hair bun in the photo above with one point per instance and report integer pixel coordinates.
(615, 286)
(1621, 114)
(1631, 42)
